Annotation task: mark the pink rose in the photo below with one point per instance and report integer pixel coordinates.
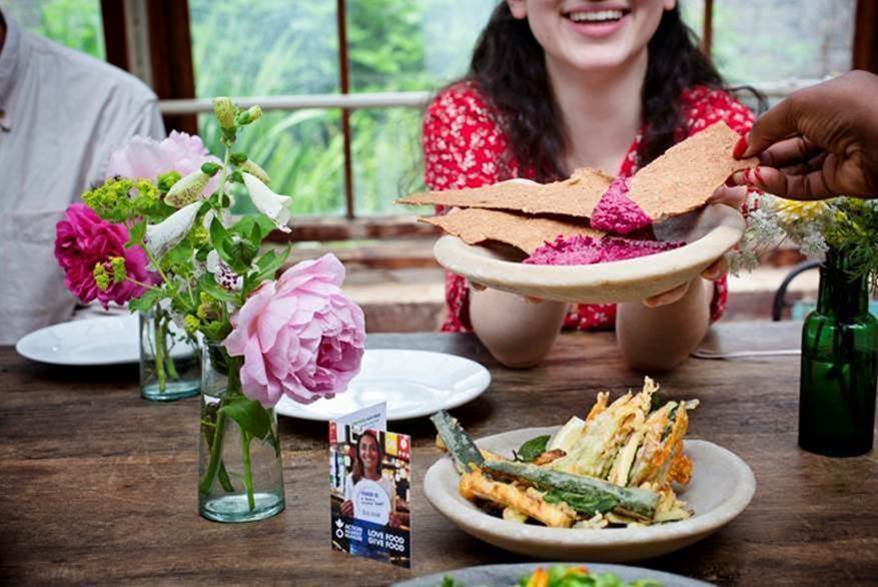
(82, 241)
(300, 336)
(146, 158)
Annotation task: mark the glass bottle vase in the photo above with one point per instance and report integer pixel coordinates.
(240, 470)
(169, 359)
(839, 365)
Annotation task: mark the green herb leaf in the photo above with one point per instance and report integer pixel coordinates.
(136, 233)
(179, 254)
(246, 226)
(586, 504)
(531, 449)
(145, 302)
(270, 262)
(250, 416)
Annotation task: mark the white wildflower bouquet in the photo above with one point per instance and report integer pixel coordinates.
(848, 225)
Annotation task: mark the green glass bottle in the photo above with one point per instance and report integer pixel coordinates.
(839, 365)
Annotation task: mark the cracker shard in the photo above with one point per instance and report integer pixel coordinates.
(475, 225)
(683, 179)
(575, 196)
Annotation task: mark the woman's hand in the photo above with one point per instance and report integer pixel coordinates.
(347, 509)
(820, 142)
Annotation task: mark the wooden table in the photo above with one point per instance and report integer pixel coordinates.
(99, 486)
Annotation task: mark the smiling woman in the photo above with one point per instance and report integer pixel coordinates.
(558, 85)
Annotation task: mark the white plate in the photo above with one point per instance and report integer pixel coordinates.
(709, 235)
(721, 487)
(511, 574)
(413, 383)
(110, 340)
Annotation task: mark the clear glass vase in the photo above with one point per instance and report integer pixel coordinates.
(240, 470)
(839, 365)
(170, 360)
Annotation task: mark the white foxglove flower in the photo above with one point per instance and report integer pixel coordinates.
(222, 273)
(187, 190)
(254, 169)
(275, 206)
(161, 238)
(225, 111)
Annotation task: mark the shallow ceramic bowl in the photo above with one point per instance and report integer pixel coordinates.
(721, 487)
(511, 574)
(708, 234)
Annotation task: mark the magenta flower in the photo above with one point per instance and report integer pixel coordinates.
(83, 241)
(146, 158)
(300, 336)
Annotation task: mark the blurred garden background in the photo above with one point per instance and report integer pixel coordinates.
(284, 47)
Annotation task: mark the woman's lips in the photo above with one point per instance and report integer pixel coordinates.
(596, 29)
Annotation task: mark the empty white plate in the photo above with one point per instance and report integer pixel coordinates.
(110, 340)
(413, 383)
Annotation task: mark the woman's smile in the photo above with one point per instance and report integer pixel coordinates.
(596, 21)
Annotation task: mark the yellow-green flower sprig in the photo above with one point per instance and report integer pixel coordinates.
(120, 199)
(115, 274)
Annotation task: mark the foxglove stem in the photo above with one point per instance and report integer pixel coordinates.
(248, 472)
(216, 450)
(160, 351)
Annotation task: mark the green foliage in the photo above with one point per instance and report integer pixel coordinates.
(146, 301)
(249, 414)
(854, 232)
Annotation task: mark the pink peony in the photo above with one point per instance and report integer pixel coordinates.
(82, 241)
(300, 336)
(146, 158)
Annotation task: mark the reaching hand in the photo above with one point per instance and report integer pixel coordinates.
(820, 142)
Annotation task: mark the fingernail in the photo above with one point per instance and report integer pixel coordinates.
(740, 147)
(730, 181)
(758, 175)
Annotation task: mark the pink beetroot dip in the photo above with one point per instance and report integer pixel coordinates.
(615, 212)
(585, 250)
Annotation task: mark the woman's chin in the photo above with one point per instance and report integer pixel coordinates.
(597, 60)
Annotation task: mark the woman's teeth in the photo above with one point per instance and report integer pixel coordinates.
(602, 16)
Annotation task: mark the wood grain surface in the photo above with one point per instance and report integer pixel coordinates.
(99, 487)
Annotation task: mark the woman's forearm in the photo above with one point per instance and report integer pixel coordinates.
(658, 339)
(518, 333)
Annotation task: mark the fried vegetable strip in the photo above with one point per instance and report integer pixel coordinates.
(458, 443)
(639, 502)
(474, 484)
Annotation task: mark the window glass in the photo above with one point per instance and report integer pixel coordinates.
(73, 23)
(386, 147)
(397, 45)
(693, 15)
(757, 41)
(270, 47)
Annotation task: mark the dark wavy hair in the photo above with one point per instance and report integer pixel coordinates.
(508, 67)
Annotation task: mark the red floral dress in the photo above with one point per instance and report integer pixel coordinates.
(464, 145)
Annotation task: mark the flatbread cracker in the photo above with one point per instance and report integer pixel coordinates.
(683, 179)
(476, 225)
(575, 196)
